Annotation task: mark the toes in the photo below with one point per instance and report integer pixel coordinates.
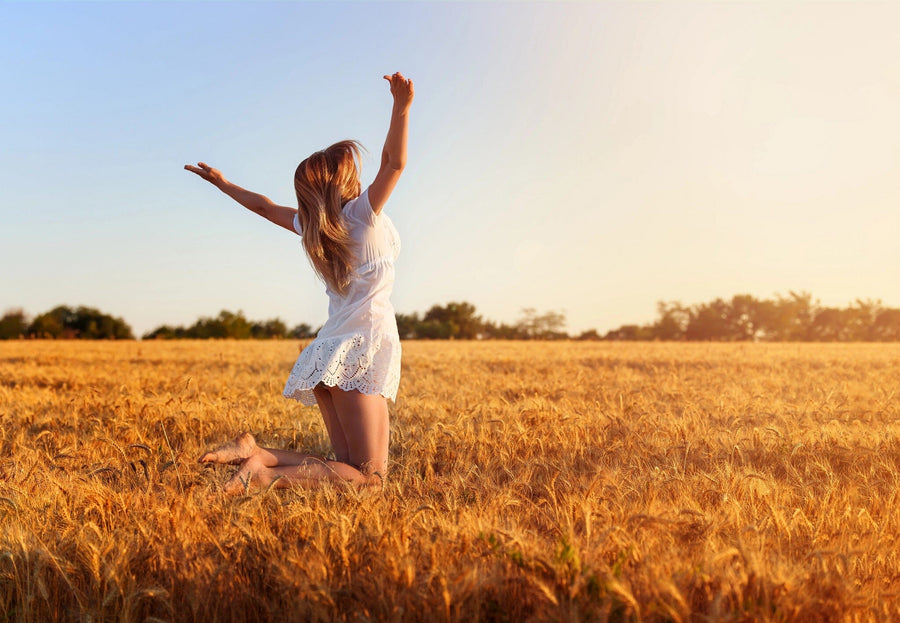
(216, 457)
(232, 453)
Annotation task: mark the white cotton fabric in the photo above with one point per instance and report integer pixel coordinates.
(359, 346)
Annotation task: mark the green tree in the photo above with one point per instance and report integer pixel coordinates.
(163, 332)
(269, 329)
(435, 330)
(13, 324)
(226, 325)
(51, 324)
(302, 331)
(546, 326)
(743, 320)
(886, 327)
(710, 321)
(84, 323)
(861, 317)
(629, 333)
(794, 316)
(502, 331)
(407, 325)
(672, 322)
(451, 321)
(830, 324)
(590, 334)
(766, 319)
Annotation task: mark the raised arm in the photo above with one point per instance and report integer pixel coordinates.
(393, 157)
(262, 205)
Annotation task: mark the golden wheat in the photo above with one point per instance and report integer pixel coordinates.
(541, 481)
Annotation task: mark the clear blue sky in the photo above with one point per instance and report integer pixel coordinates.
(587, 157)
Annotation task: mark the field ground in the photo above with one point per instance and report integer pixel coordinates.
(530, 481)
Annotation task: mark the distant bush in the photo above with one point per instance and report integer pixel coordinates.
(63, 322)
(459, 321)
(795, 318)
(231, 326)
(13, 324)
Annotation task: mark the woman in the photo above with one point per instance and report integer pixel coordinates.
(353, 365)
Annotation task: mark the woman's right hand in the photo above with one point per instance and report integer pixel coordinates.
(214, 176)
(402, 90)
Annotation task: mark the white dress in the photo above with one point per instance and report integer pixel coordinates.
(358, 347)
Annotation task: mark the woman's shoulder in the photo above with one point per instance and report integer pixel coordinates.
(359, 209)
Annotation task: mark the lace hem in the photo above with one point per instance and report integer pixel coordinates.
(348, 362)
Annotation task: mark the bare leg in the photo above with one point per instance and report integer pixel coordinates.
(332, 424)
(272, 457)
(254, 474)
(365, 422)
(244, 445)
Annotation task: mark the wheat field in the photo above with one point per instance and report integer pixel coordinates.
(529, 481)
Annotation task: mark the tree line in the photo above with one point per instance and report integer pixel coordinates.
(451, 321)
(64, 322)
(459, 321)
(793, 318)
(796, 317)
(233, 326)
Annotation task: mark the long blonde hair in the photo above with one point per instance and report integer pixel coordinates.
(324, 182)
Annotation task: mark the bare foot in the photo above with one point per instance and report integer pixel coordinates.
(253, 474)
(234, 452)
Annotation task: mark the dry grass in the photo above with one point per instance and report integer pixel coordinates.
(530, 481)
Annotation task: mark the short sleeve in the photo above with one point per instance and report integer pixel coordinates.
(360, 209)
(297, 225)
